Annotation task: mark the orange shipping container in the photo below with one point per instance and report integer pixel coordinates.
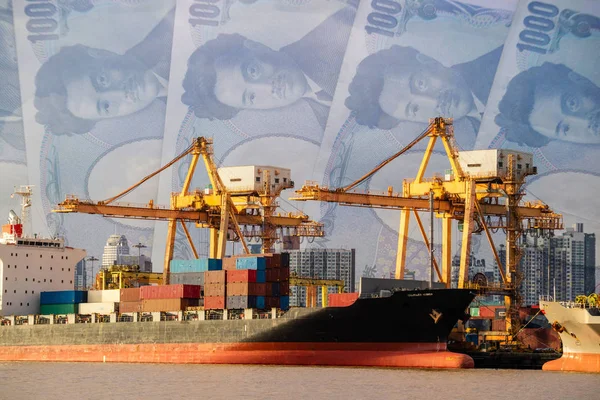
(214, 303)
(229, 263)
(155, 305)
(215, 277)
(214, 289)
(179, 291)
(341, 299)
(131, 294)
(242, 275)
(130, 306)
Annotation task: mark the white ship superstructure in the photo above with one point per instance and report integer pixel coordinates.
(578, 325)
(30, 265)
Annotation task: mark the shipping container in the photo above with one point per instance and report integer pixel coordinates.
(229, 263)
(285, 260)
(131, 306)
(156, 305)
(215, 290)
(261, 276)
(187, 278)
(500, 313)
(255, 262)
(170, 292)
(260, 302)
(474, 311)
(472, 338)
(214, 303)
(241, 275)
(240, 302)
(260, 289)
(98, 308)
(63, 297)
(196, 265)
(284, 288)
(239, 288)
(104, 296)
(284, 273)
(487, 311)
(272, 302)
(274, 289)
(499, 325)
(284, 302)
(272, 275)
(273, 260)
(130, 294)
(215, 277)
(341, 299)
(70, 308)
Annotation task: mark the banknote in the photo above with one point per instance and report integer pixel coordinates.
(546, 97)
(253, 86)
(407, 62)
(93, 78)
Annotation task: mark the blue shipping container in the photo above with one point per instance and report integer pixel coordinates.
(260, 302)
(284, 302)
(261, 276)
(258, 263)
(199, 265)
(63, 297)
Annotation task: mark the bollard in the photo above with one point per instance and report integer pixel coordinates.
(70, 318)
(113, 317)
(248, 313)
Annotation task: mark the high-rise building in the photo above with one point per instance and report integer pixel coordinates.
(320, 263)
(81, 278)
(116, 246)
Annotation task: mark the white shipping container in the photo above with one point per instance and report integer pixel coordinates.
(104, 296)
(98, 308)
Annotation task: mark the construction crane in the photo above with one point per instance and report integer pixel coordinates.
(311, 285)
(216, 209)
(125, 276)
(485, 199)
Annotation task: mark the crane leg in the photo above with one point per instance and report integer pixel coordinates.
(213, 240)
(446, 250)
(465, 250)
(402, 243)
(172, 229)
(224, 227)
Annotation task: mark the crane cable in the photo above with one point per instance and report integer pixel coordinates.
(128, 190)
(387, 161)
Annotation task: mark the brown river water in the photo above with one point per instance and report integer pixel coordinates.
(24, 380)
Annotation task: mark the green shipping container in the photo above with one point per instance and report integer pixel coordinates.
(474, 312)
(46, 309)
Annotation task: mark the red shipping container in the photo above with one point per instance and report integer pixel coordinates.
(487, 311)
(284, 274)
(284, 288)
(242, 275)
(273, 275)
(130, 306)
(214, 303)
(273, 260)
(272, 302)
(499, 325)
(214, 289)
(260, 289)
(229, 263)
(131, 294)
(156, 305)
(341, 299)
(180, 291)
(215, 277)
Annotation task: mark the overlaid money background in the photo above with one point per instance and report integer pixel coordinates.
(406, 61)
(276, 77)
(13, 163)
(318, 136)
(546, 101)
(93, 77)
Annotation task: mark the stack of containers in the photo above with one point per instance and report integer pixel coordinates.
(130, 300)
(242, 286)
(215, 290)
(169, 297)
(101, 302)
(62, 302)
(192, 271)
(278, 281)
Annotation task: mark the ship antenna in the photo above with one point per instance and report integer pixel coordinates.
(25, 192)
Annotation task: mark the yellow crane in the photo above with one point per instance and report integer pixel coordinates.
(218, 210)
(473, 198)
(311, 285)
(125, 276)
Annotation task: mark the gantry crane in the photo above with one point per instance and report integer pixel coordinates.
(311, 285)
(470, 198)
(218, 209)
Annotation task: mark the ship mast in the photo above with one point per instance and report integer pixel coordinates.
(25, 192)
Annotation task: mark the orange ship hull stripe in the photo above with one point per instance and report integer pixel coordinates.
(404, 355)
(576, 362)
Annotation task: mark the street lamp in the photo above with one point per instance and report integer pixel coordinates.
(139, 246)
(92, 259)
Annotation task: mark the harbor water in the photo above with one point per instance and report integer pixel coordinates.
(23, 380)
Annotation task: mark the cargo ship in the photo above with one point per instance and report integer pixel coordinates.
(44, 319)
(407, 329)
(578, 325)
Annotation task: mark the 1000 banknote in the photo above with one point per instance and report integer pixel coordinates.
(93, 79)
(407, 62)
(258, 77)
(546, 100)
